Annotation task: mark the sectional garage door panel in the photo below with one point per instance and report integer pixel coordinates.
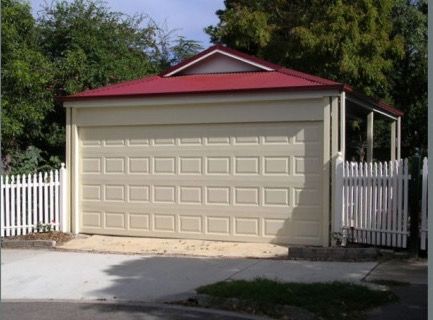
(243, 182)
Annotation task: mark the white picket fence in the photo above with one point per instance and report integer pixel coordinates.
(424, 206)
(28, 203)
(371, 202)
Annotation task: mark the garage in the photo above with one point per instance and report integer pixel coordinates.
(223, 146)
(241, 182)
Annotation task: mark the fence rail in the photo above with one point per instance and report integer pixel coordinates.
(424, 206)
(31, 203)
(371, 202)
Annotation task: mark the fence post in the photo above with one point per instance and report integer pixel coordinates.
(424, 203)
(2, 206)
(414, 203)
(338, 197)
(63, 199)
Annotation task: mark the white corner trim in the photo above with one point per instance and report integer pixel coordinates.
(258, 65)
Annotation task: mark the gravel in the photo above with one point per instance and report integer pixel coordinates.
(59, 237)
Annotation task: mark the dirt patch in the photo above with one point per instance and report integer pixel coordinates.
(59, 237)
(177, 247)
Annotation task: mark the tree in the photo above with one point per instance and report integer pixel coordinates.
(409, 77)
(346, 41)
(378, 47)
(26, 83)
(72, 47)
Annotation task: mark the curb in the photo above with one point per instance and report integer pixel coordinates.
(333, 254)
(27, 244)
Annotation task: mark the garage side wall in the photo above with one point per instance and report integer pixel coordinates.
(302, 217)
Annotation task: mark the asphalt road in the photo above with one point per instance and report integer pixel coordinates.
(48, 310)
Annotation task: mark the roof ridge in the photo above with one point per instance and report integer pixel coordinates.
(225, 49)
(219, 73)
(121, 84)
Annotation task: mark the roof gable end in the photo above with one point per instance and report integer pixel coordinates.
(218, 59)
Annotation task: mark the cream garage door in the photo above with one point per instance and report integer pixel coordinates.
(257, 182)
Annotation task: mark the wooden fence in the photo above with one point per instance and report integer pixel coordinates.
(371, 202)
(33, 203)
(424, 206)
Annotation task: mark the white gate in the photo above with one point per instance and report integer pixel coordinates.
(371, 202)
(32, 203)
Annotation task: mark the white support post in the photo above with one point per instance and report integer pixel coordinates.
(334, 128)
(326, 172)
(343, 124)
(398, 138)
(370, 130)
(63, 199)
(393, 129)
(334, 155)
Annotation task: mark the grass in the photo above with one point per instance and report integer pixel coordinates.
(336, 300)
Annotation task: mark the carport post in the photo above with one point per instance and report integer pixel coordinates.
(343, 124)
(370, 129)
(398, 138)
(393, 138)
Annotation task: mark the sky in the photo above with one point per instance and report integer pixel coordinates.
(188, 17)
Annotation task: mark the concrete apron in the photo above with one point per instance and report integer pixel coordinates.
(42, 274)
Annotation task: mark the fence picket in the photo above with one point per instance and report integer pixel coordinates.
(399, 204)
(405, 201)
(356, 205)
(57, 202)
(369, 174)
(29, 203)
(374, 206)
(13, 205)
(7, 206)
(393, 224)
(348, 182)
(361, 202)
(380, 204)
(24, 203)
(45, 205)
(18, 203)
(35, 201)
(51, 202)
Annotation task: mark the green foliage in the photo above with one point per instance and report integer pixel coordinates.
(336, 300)
(346, 41)
(184, 49)
(378, 47)
(409, 89)
(91, 46)
(26, 80)
(44, 227)
(73, 46)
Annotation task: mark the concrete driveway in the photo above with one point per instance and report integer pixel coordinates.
(43, 274)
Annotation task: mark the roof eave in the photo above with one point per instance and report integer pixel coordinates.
(337, 87)
(376, 103)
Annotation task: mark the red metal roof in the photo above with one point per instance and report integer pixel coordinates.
(279, 78)
(156, 85)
